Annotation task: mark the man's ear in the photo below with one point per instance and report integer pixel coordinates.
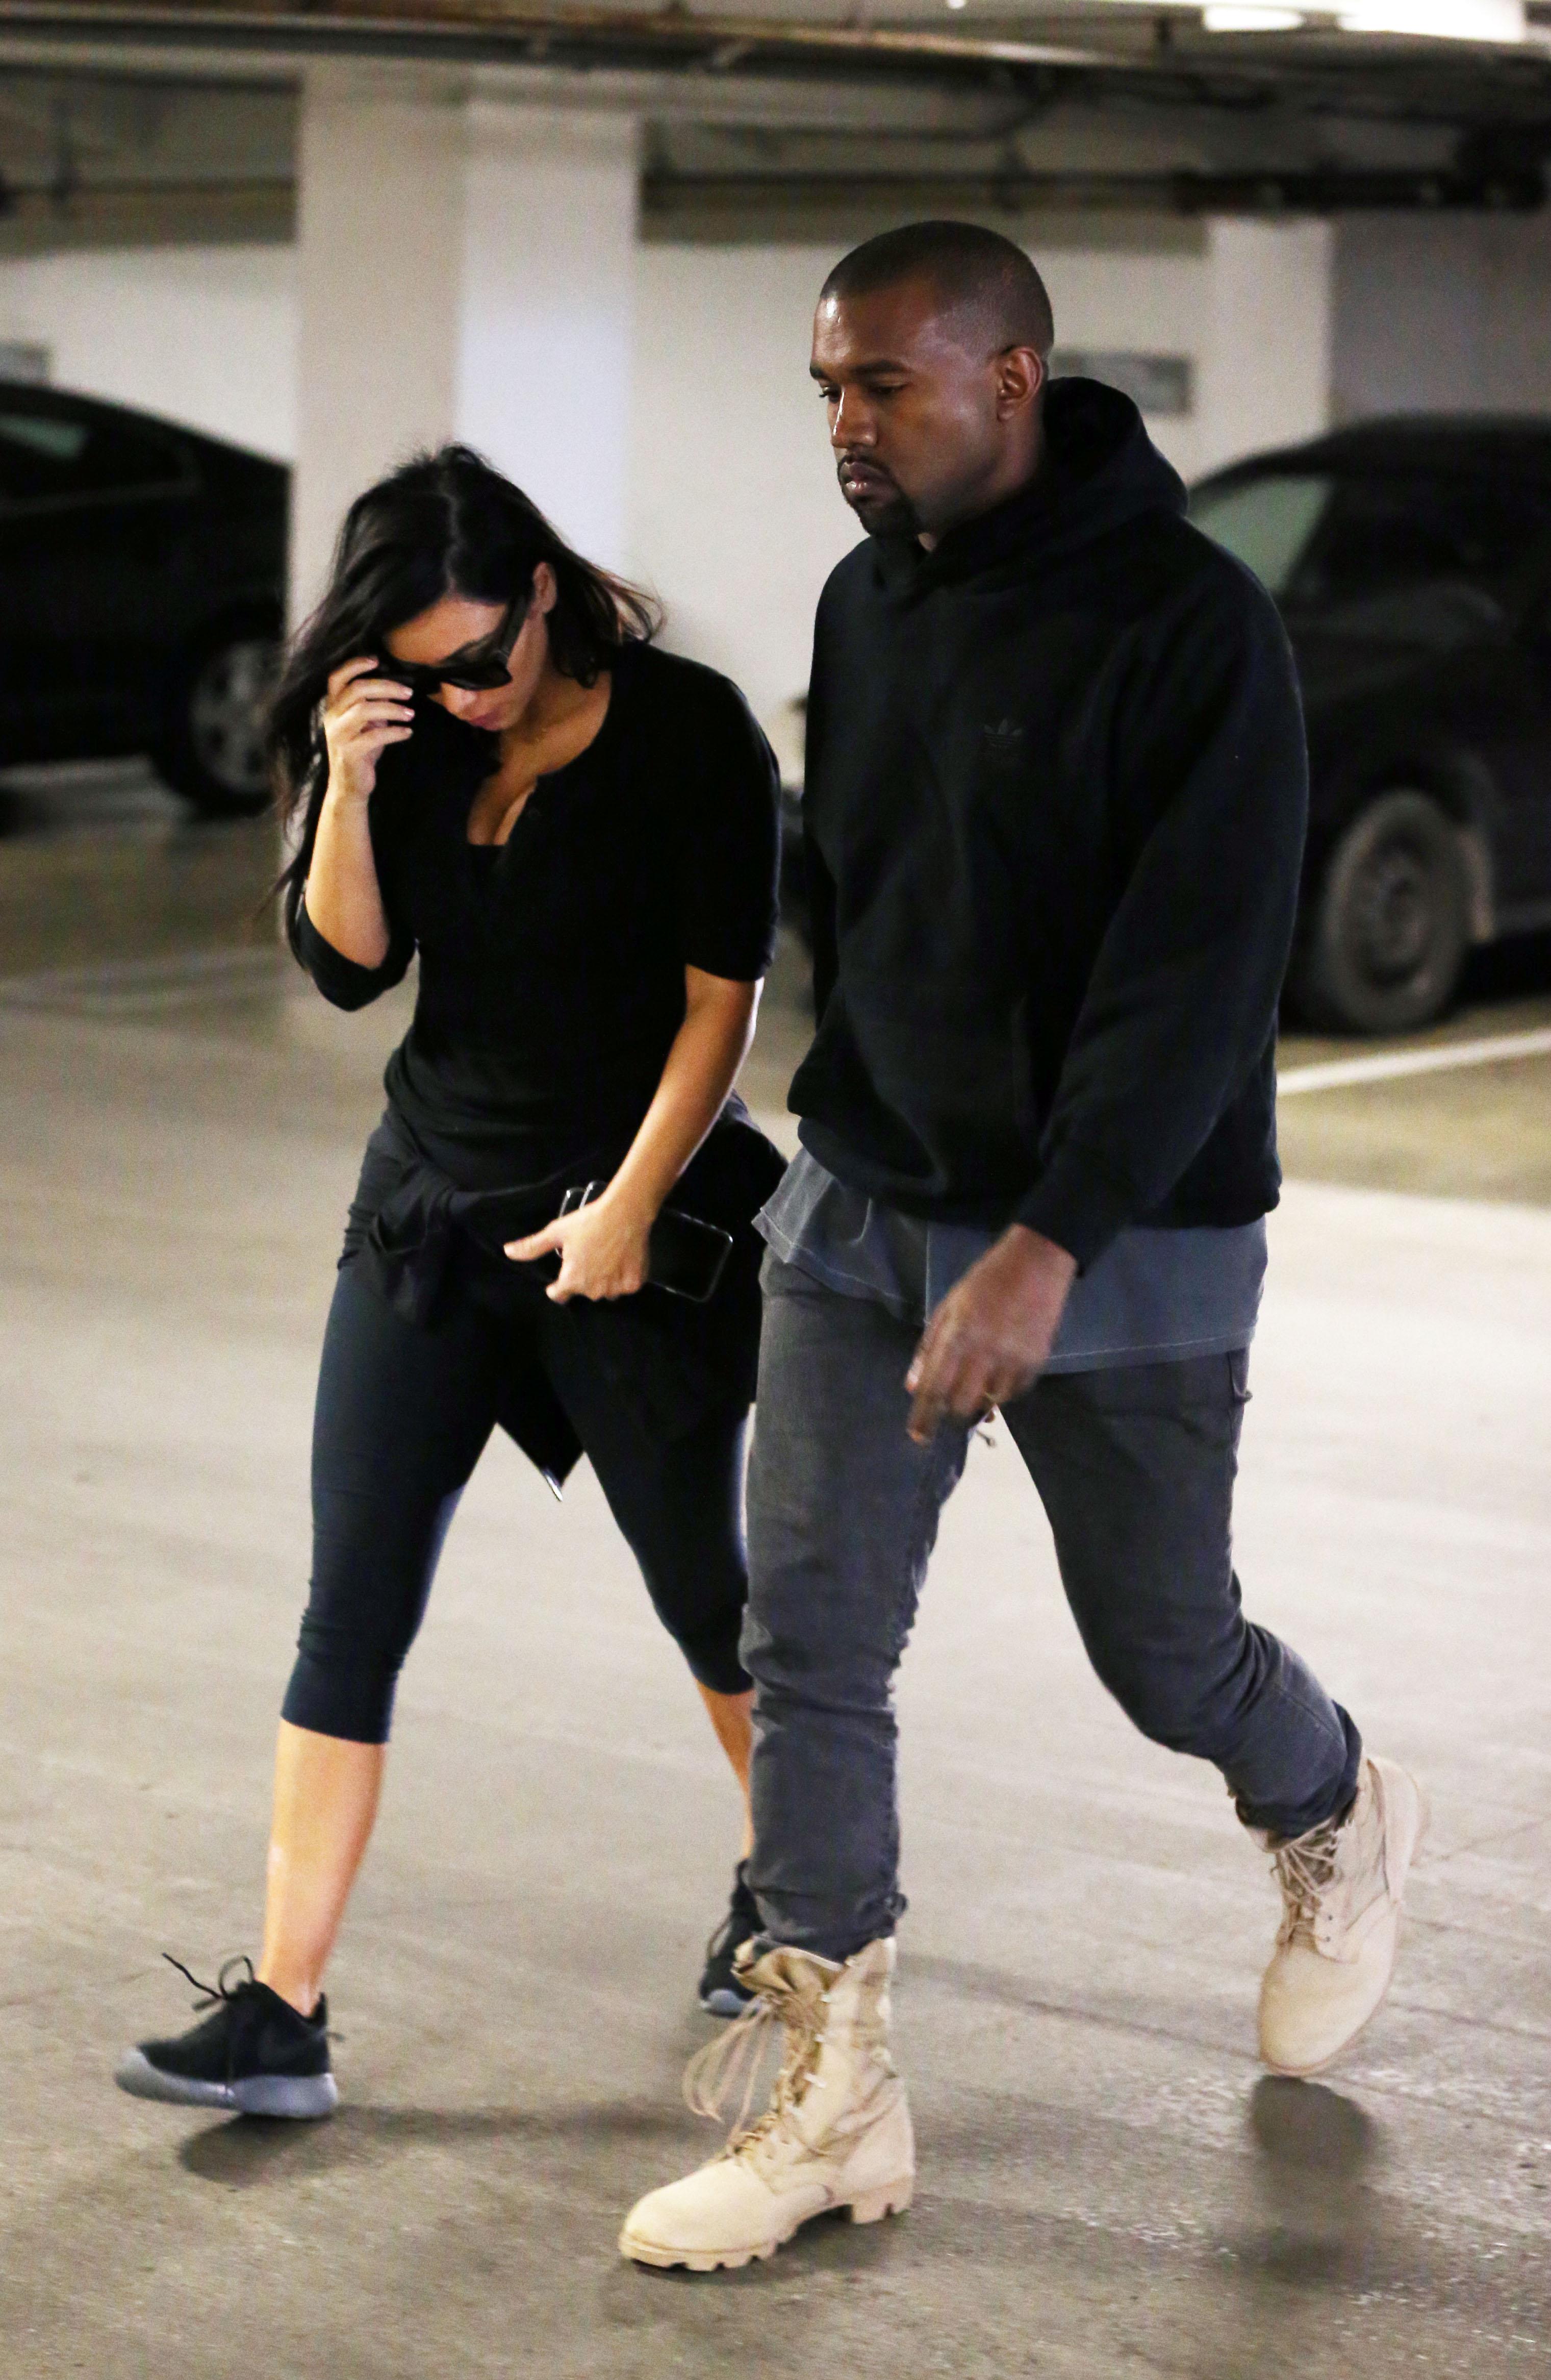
(1020, 376)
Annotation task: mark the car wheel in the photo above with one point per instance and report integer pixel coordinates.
(213, 752)
(1389, 925)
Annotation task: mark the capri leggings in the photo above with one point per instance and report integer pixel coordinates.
(403, 1415)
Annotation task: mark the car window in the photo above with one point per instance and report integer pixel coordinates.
(1425, 558)
(1264, 522)
(45, 453)
(1383, 535)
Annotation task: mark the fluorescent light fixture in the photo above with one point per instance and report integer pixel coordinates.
(1230, 17)
(1497, 21)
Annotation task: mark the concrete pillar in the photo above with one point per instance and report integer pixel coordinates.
(466, 270)
(547, 327)
(1265, 361)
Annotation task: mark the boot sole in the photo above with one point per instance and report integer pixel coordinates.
(303, 2098)
(870, 2207)
(1305, 2073)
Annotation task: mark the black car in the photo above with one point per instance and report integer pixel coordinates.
(142, 575)
(1410, 559)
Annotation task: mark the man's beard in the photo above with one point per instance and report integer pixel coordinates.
(886, 513)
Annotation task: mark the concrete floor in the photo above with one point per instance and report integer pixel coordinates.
(1109, 2186)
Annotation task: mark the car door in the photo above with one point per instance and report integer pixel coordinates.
(1427, 568)
(92, 504)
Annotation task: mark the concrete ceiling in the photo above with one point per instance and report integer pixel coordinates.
(121, 120)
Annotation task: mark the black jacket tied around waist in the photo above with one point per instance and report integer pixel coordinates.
(423, 1240)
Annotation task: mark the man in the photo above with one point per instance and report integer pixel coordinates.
(1054, 815)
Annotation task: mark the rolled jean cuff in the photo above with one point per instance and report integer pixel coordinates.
(829, 1936)
(1287, 1820)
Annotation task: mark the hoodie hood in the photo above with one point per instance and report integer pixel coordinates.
(1099, 470)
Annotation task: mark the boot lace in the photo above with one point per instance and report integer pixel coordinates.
(1305, 1869)
(714, 2075)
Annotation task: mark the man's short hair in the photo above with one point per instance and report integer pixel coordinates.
(974, 271)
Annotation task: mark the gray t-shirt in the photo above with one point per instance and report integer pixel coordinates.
(1152, 1297)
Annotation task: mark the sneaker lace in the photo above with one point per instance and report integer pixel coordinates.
(1305, 1869)
(735, 1926)
(220, 1990)
(720, 1941)
(714, 2073)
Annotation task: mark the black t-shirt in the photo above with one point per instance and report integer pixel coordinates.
(552, 965)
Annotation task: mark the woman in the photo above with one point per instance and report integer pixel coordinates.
(484, 759)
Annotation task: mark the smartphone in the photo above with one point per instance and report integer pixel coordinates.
(684, 1257)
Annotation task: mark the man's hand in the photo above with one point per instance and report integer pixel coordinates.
(991, 1336)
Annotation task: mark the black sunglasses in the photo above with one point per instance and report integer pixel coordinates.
(489, 665)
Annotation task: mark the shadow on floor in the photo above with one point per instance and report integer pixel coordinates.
(249, 2149)
(1317, 2217)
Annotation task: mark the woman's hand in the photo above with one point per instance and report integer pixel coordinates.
(603, 1246)
(602, 1249)
(362, 716)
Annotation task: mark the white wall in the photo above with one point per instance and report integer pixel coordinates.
(1442, 314)
(732, 513)
(205, 335)
(1152, 303)
(1265, 347)
(735, 517)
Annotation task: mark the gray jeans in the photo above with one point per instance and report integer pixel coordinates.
(1135, 1468)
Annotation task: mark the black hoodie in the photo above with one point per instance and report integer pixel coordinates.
(1054, 817)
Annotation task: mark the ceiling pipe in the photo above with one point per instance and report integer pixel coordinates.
(727, 40)
(1321, 193)
(665, 57)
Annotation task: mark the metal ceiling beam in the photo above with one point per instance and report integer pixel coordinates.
(671, 60)
(412, 27)
(1333, 191)
(668, 64)
(774, 102)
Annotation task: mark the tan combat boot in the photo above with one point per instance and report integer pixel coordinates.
(1341, 1885)
(836, 2133)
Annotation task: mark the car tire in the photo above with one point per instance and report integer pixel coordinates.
(211, 747)
(1386, 935)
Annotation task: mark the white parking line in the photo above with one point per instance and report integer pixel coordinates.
(1342, 1071)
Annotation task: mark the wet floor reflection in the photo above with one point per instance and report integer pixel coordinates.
(100, 867)
(1316, 2152)
(1312, 2240)
(82, 796)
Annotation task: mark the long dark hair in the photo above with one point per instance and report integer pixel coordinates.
(445, 524)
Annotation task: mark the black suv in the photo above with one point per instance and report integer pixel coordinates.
(142, 573)
(1410, 560)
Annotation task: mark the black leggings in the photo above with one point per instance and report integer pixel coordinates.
(403, 1415)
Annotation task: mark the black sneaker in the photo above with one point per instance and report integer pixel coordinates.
(721, 1994)
(254, 2056)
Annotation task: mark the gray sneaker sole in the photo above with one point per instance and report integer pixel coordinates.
(302, 2097)
(727, 2000)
